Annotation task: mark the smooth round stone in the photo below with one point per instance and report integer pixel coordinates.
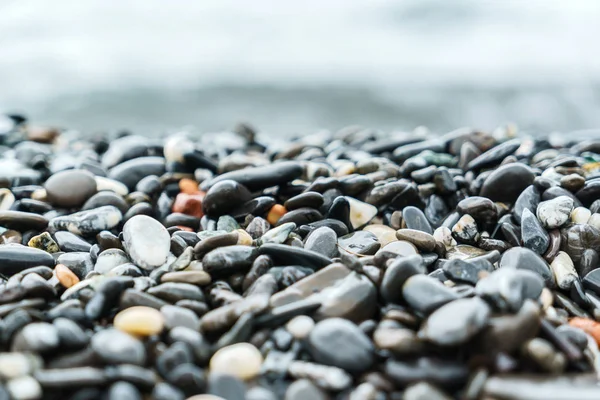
(399, 248)
(480, 208)
(123, 390)
(258, 178)
(178, 316)
(464, 271)
(396, 275)
(580, 215)
(508, 288)
(132, 171)
(68, 241)
(22, 221)
(116, 347)
(123, 149)
(590, 192)
(443, 235)
(426, 294)
(422, 240)
(300, 326)
(65, 276)
(555, 213)
(24, 388)
(340, 343)
(523, 258)
(528, 199)
(175, 291)
(13, 365)
(79, 263)
(534, 236)
(199, 278)
(359, 243)
(70, 188)
(103, 183)
(306, 199)
(107, 198)
(139, 321)
(229, 258)
(109, 259)
(242, 360)
(413, 218)
(456, 322)
(223, 197)
(226, 387)
(465, 230)
(576, 238)
(37, 337)
(147, 241)
(7, 199)
(299, 216)
(494, 155)
(189, 378)
(304, 389)
(594, 220)
(88, 222)
(14, 258)
(506, 183)
(322, 240)
(361, 213)
(384, 233)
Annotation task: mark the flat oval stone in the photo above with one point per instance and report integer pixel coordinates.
(340, 343)
(147, 241)
(132, 171)
(534, 236)
(480, 208)
(258, 178)
(139, 321)
(116, 347)
(422, 240)
(107, 198)
(15, 258)
(223, 197)
(456, 322)
(589, 193)
(507, 182)
(463, 271)
(175, 291)
(286, 255)
(426, 294)
(359, 243)
(306, 199)
(70, 188)
(68, 241)
(413, 218)
(523, 258)
(37, 337)
(242, 360)
(396, 275)
(109, 259)
(322, 240)
(528, 199)
(88, 222)
(494, 155)
(224, 260)
(22, 221)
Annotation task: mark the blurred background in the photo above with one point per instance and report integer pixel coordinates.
(291, 67)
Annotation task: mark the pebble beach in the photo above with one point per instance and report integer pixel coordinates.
(351, 264)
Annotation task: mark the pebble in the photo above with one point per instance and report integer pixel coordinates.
(555, 213)
(15, 258)
(147, 242)
(24, 388)
(423, 240)
(36, 337)
(242, 360)
(563, 270)
(88, 222)
(360, 212)
(322, 240)
(426, 294)
(507, 182)
(523, 258)
(139, 321)
(533, 235)
(116, 347)
(70, 188)
(413, 218)
(300, 326)
(340, 343)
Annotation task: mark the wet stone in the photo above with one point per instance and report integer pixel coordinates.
(413, 218)
(577, 238)
(68, 241)
(464, 271)
(22, 221)
(359, 243)
(445, 373)
(88, 222)
(507, 182)
(528, 199)
(465, 230)
(534, 236)
(340, 343)
(555, 213)
(242, 360)
(396, 275)
(523, 258)
(70, 188)
(146, 241)
(322, 240)
(116, 347)
(422, 240)
(15, 258)
(38, 337)
(563, 270)
(425, 294)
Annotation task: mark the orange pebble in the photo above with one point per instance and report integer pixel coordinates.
(587, 325)
(188, 186)
(276, 212)
(190, 204)
(65, 276)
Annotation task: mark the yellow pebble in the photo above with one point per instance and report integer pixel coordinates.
(244, 237)
(140, 321)
(241, 359)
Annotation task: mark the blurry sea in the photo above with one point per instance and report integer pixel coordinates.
(294, 67)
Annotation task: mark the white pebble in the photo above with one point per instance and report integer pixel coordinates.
(147, 241)
(360, 212)
(554, 213)
(103, 183)
(300, 326)
(241, 359)
(176, 147)
(594, 220)
(580, 215)
(24, 388)
(444, 236)
(13, 365)
(564, 270)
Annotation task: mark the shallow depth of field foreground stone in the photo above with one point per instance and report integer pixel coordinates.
(354, 265)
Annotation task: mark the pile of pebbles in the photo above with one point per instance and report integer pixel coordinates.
(348, 265)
